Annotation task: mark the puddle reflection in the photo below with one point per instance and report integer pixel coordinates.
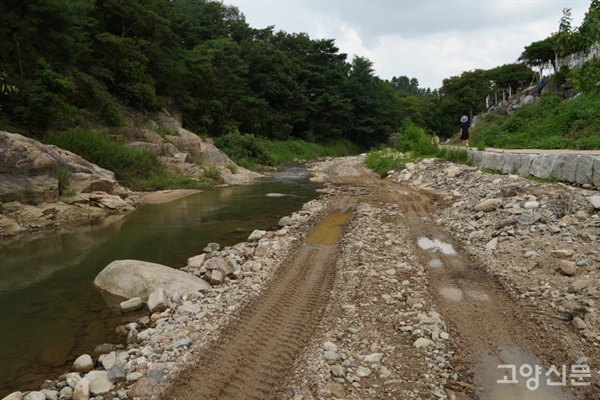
(512, 364)
(451, 293)
(436, 245)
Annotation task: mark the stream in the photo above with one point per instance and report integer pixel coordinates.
(50, 313)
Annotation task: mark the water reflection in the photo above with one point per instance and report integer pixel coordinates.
(49, 311)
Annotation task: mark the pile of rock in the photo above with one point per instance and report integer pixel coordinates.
(541, 239)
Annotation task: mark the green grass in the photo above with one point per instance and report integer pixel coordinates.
(458, 156)
(413, 139)
(547, 124)
(134, 168)
(252, 152)
(383, 161)
(291, 150)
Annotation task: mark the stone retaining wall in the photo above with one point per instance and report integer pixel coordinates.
(581, 169)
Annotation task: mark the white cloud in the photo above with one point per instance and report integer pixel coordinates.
(429, 40)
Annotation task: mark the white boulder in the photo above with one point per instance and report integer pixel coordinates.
(134, 278)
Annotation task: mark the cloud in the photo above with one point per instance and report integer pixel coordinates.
(429, 39)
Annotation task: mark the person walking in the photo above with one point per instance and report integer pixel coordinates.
(464, 130)
(541, 85)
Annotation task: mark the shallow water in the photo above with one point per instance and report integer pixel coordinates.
(330, 229)
(516, 375)
(49, 311)
(436, 245)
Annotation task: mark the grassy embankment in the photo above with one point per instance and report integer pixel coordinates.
(547, 124)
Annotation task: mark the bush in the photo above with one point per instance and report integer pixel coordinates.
(213, 173)
(586, 78)
(457, 156)
(414, 139)
(42, 104)
(246, 150)
(548, 124)
(383, 161)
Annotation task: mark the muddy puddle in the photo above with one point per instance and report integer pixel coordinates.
(502, 370)
(435, 263)
(515, 375)
(451, 293)
(330, 229)
(436, 245)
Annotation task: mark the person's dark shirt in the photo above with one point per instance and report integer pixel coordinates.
(464, 127)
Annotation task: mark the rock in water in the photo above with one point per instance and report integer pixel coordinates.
(133, 278)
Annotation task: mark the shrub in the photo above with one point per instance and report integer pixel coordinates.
(232, 167)
(245, 150)
(414, 139)
(64, 180)
(458, 156)
(213, 173)
(586, 78)
(383, 161)
(289, 150)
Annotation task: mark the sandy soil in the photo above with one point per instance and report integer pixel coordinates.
(165, 196)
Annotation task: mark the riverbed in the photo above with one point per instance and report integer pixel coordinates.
(50, 310)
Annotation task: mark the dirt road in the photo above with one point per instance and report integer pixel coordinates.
(388, 304)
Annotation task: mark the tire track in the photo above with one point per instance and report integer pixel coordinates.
(253, 353)
(475, 305)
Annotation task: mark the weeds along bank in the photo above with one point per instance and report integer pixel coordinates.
(548, 123)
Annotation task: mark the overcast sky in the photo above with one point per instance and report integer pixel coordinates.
(429, 39)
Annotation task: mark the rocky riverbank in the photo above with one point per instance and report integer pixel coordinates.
(43, 187)
(386, 331)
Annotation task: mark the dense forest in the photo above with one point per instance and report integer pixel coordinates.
(69, 63)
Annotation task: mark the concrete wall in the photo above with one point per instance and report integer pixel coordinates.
(578, 59)
(581, 169)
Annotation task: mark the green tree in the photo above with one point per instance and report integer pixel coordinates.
(407, 86)
(539, 53)
(366, 123)
(121, 64)
(590, 27)
(464, 95)
(321, 75)
(55, 30)
(509, 74)
(219, 86)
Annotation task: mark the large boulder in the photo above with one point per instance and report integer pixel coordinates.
(212, 155)
(133, 278)
(185, 141)
(29, 171)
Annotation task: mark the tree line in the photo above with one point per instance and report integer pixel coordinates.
(76, 62)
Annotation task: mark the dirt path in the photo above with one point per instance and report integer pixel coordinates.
(274, 349)
(255, 352)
